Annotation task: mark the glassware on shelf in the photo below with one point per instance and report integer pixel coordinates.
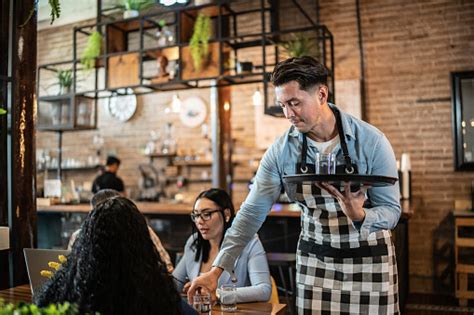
(164, 35)
(98, 143)
(169, 144)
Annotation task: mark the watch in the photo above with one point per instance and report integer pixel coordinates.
(122, 104)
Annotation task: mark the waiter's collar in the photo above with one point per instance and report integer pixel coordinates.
(345, 125)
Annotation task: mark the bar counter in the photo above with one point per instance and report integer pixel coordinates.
(162, 208)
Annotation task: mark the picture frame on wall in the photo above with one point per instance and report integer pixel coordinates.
(462, 98)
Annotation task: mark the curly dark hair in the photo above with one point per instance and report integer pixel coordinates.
(222, 199)
(113, 267)
(307, 71)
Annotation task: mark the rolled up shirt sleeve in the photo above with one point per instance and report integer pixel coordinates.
(252, 214)
(385, 208)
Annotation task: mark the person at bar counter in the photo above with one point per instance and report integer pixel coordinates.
(103, 195)
(345, 256)
(113, 267)
(212, 215)
(109, 178)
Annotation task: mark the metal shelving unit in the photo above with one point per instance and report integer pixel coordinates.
(225, 16)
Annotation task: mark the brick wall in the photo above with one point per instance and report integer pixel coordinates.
(410, 49)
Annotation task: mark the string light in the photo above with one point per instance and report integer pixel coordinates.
(226, 106)
(257, 98)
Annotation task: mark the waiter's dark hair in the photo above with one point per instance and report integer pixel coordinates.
(222, 199)
(111, 160)
(307, 71)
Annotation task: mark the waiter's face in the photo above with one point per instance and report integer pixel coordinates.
(302, 108)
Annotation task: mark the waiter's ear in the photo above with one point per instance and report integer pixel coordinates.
(323, 93)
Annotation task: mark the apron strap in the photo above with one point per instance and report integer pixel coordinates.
(304, 153)
(342, 137)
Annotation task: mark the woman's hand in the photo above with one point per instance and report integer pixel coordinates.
(350, 202)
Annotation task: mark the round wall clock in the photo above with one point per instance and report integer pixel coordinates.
(193, 111)
(122, 105)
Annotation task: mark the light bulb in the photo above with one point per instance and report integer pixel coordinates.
(257, 98)
(226, 106)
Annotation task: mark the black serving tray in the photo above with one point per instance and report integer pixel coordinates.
(339, 179)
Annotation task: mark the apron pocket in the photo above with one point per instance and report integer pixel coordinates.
(363, 269)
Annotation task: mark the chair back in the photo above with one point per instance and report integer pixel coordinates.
(274, 299)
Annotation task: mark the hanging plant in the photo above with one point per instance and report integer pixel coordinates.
(55, 11)
(92, 50)
(300, 45)
(199, 43)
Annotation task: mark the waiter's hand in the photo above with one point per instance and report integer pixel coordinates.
(207, 282)
(350, 202)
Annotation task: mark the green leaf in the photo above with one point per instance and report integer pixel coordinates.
(199, 43)
(92, 50)
(3, 111)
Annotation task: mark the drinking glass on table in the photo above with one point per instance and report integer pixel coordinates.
(202, 303)
(227, 297)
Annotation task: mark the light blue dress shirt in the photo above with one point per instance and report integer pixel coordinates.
(368, 148)
(251, 269)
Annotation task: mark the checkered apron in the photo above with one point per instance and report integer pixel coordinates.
(337, 271)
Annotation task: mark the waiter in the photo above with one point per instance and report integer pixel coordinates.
(109, 179)
(345, 258)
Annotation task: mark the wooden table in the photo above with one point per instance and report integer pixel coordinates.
(252, 308)
(22, 293)
(14, 295)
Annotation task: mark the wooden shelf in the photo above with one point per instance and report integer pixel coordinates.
(161, 155)
(464, 222)
(193, 163)
(72, 169)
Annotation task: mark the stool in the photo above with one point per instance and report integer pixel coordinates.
(285, 261)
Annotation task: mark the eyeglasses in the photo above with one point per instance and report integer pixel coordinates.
(205, 216)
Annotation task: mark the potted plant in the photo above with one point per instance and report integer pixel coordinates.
(64, 81)
(199, 43)
(31, 309)
(92, 50)
(132, 8)
(300, 45)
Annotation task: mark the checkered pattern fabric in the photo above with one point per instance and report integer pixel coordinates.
(337, 271)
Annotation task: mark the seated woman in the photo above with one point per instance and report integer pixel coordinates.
(212, 216)
(105, 194)
(114, 267)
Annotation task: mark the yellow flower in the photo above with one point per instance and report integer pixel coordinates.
(62, 259)
(54, 265)
(46, 273)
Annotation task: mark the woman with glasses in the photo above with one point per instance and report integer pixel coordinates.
(212, 215)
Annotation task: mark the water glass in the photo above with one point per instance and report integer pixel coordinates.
(202, 303)
(325, 163)
(227, 297)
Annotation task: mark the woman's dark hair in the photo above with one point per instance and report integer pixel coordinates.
(113, 267)
(102, 195)
(222, 199)
(307, 71)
